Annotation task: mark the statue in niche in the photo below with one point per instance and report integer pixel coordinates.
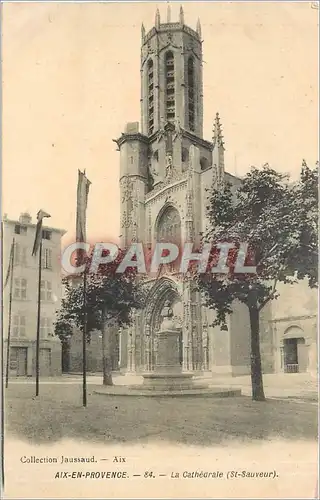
(161, 133)
(169, 142)
(154, 172)
(169, 166)
(167, 315)
(178, 129)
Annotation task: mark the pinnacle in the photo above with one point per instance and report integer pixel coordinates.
(157, 19)
(143, 31)
(198, 28)
(168, 14)
(181, 15)
(217, 132)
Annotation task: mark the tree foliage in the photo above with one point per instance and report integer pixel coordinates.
(109, 296)
(278, 220)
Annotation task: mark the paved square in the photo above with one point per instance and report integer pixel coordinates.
(58, 413)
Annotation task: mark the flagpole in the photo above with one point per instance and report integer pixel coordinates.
(38, 319)
(82, 200)
(84, 340)
(10, 313)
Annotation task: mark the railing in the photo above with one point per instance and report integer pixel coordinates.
(292, 368)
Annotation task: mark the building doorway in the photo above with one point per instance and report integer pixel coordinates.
(18, 361)
(45, 362)
(295, 355)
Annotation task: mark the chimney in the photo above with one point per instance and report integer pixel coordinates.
(25, 218)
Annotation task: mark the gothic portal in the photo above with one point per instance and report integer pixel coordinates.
(165, 169)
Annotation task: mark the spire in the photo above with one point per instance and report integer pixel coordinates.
(181, 16)
(217, 133)
(198, 28)
(143, 31)
(168, 14)
(157, 20)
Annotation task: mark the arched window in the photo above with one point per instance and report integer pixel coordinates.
(150, 97)
(184, 155)
(204, 163)
(191, 94)
(169, 227)
(169, 86)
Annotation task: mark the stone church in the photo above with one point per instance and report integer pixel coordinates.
(166, 168)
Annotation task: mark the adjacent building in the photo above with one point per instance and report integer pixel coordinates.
(25, 297)
(294, 328)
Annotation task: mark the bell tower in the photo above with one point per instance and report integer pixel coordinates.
(166, 171)
(171, 76)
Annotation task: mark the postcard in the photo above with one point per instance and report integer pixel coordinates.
(160, 249)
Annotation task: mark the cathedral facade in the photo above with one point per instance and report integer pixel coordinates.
(166, 168)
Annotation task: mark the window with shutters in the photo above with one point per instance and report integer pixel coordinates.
(46, 328)
(46, 235)
(19, 229)
(170, 86)
(46, 290)
(19, 326)
(20, 288)
(20, 255)
(46, 258)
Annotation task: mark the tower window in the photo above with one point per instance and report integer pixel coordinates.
(191, 94)
(150, 97)
(169, 86)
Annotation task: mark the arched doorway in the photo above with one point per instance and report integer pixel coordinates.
(164, 290)
(295, 353)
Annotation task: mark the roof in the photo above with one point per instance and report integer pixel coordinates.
(30, 224)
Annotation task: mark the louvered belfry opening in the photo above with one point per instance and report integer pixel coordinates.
(150, 97)
(170, 84)
(191, 94)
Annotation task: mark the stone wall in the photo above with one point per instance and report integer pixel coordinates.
(94, 352)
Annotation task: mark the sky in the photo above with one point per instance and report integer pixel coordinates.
(71, 81)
